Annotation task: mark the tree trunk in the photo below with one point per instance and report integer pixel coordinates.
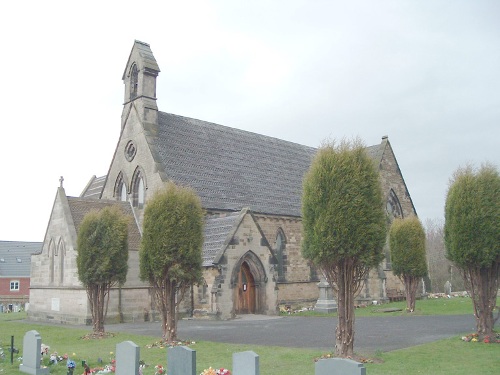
(96, 294)
(411, 286)
(171, 326)
(100, 309)
(482, 285)
(344, 333)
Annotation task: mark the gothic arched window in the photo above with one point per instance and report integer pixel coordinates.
(280, 254)
(121, 188)
(62, 253)
(393, 206)
(134, 81)
(394, 211)
(123, 192)
(52, 252)
(138, 189)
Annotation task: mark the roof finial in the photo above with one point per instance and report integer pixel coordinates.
(61, 180)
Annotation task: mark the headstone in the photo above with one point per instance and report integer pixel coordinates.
(326, 302)
(32, 354)
(246, 363)
(339, 366)
(447, 288)
(181, 361)
(127, 358)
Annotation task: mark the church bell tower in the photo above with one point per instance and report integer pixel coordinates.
(139, 78)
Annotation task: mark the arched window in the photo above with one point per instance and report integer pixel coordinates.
(62, 253)
(123, 193)
(138, 189)
(203, 291)
(121, 188)
(394, 211)
(140, 193)
(280, 254)
(393, 206)
(52, 252)
(134, 81)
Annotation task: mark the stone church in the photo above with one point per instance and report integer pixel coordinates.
(250, 186)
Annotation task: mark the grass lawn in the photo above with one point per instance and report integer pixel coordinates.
(449, 356)
(437, 306)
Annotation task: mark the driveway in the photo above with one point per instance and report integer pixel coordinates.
(372, 333)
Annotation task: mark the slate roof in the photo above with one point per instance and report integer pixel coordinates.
(94, 188)
(15, 257)
(231, 168)
(217, 235)
(80, 206)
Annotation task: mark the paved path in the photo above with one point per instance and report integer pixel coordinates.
(372, 333)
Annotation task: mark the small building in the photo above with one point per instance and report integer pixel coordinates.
(15, 264)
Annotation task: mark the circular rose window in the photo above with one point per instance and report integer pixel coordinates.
(130, 151)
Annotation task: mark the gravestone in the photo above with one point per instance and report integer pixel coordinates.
(326, 302)
(339, 366)
(447, 288)
(127, 358)
(246, 363)
(32, 354)
(181, 361)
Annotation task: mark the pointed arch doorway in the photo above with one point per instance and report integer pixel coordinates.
(248, 282)
(246, 291)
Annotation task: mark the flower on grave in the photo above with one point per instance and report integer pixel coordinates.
(486, 339)
(70, 364)
(209, 371)
(106, 370)
(223, 371)
(159, 370)
(474, 339)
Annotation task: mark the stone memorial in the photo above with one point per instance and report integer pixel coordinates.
(326, 302)
(127, 358)
(447, 288)
(245, 363)
(339, 366)
(32, 354)
(181, 361)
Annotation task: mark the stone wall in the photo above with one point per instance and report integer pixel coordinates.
(296, 268)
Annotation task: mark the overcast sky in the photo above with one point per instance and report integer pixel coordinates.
(425, 73)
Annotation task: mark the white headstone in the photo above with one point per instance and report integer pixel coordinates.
(339, 366)
(32, 354)
(181, 361)
(127, 358)
(246, 363)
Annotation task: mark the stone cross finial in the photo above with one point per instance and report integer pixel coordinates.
(61, 180)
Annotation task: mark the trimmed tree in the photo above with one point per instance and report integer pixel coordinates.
(102, 258)
(170, 253)
(407, 243)
(472, 238)
(344, 226)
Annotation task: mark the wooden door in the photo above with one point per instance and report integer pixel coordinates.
(245, 303)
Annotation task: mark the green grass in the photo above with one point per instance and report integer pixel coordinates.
(449, 356)
(273, 360)
(438, 306)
